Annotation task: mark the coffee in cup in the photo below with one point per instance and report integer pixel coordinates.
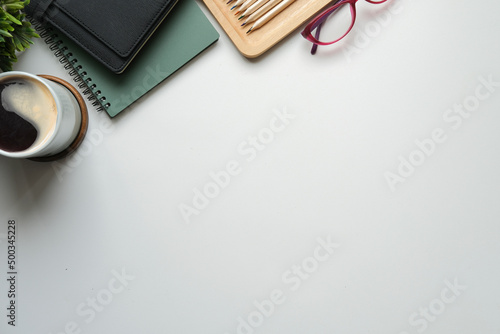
(38, 117)
(28, 114)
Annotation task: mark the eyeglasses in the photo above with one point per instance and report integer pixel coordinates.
(339, 29)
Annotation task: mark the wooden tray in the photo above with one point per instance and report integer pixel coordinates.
(259, 41)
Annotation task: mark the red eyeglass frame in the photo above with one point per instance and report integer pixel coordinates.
(318, 21)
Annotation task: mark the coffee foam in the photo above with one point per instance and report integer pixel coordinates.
(33, 102)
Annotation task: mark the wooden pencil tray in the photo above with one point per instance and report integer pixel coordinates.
(259, 41)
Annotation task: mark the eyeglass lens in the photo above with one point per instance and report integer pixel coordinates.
(336, 25)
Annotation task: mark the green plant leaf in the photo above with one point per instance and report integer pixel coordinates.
(16, 33)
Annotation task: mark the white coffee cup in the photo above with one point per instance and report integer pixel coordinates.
(31, 103)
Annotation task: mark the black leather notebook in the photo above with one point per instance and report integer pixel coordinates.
(112, 31)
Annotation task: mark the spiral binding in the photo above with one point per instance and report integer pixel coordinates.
(76, 71)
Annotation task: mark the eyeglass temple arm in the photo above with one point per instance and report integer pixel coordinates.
(316, 35)
(318, 24)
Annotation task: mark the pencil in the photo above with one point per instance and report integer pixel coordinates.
(245, 5)
(237, 3)
(269, 15)
(261, 11)
(253, 8)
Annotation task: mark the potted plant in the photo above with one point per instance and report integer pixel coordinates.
(15, 32)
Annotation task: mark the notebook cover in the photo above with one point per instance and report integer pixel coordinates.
(177, 40)
(113, 31)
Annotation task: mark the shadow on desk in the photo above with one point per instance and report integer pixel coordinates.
(24, 182)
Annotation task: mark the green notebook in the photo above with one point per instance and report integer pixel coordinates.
(184, 34)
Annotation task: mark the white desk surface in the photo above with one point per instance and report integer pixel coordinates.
(102, 246)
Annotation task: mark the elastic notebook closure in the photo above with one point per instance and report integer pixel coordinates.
(40, 9)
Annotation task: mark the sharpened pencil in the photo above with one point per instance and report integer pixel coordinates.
(237, 3)
(250, 10)
(246, 4)
(261, 11)
(270, 14)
